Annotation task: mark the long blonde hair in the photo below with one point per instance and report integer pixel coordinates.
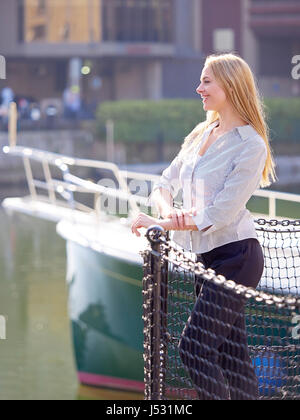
(235, 77)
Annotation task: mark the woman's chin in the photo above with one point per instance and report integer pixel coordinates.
(208, 108)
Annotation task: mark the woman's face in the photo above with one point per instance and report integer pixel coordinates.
(214, 97)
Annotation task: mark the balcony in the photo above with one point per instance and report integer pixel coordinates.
(271, 17)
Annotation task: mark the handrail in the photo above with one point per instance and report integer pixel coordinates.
(95, 188)
(72, 183)
(276, 195)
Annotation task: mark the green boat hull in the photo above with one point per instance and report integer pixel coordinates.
(105, 304)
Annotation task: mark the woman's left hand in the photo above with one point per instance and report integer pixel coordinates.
(142, 221)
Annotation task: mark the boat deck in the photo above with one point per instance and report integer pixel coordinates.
(42, 209)
(102, 233)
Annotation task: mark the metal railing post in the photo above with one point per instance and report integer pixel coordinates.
(164, 318)
(29, 177)
(154, 290)
(272, 207)
(49, 181)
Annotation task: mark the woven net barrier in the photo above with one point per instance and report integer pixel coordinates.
(209, 338)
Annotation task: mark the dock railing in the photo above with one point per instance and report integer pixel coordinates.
(66, 186)
(184, 362)
(127, 182)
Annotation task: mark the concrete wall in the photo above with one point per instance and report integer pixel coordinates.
(8, 27)
(80, 144)
(181, 78)
(184, 36)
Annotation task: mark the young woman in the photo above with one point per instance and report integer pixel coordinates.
(220, 165)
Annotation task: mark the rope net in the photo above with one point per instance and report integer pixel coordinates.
(207, 337)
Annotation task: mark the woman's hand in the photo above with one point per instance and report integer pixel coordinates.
(176, 220)
(142, 221)
(181, 218)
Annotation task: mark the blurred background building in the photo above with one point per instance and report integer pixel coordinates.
(84, 52)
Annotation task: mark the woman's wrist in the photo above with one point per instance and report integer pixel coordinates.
(166, 224)
(165, 212)
(170, 224)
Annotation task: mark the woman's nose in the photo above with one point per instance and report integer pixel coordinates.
(199, 90)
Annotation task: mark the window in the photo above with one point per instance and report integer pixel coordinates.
(56, 21)
(39, 33)
(41, 7)
(138, 21)
(21, 22)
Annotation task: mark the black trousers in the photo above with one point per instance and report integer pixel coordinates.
(213, 345)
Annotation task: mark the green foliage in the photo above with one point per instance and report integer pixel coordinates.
(147, 121)
(284, 119)
(172, 120)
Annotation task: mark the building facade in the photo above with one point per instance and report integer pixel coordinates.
(266, 33)
(275, 27)
(143, 49)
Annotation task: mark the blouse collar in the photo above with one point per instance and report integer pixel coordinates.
(245, 131)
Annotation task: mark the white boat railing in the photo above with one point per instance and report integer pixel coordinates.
(272, 196)
(71, 184)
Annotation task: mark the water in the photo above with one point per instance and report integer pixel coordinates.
(36, 359)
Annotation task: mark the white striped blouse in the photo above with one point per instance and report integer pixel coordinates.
(219, 184)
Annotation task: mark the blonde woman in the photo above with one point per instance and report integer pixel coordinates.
(220, 165)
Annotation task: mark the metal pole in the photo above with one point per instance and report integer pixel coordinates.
(13, 119)
(48, 178)
(272, 207)
(147, 319)
(29, 177)
(156, 339)
(110, 142)
(164, 319)
(156, 336)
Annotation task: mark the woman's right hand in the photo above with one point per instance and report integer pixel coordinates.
(177, 216)
(167, 212)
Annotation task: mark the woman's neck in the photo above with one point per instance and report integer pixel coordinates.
(229, 120)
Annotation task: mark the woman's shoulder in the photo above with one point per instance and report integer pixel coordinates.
(251, 137)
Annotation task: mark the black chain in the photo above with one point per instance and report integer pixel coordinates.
(275, 222)
(158, 235)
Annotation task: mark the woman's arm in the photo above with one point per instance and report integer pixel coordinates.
(163, 201)
(186, 222)
(239, 186)
(183, 221)
(173, 219)
(166, 189)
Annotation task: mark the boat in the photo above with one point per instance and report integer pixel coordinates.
(104, 261)
(104, 268)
